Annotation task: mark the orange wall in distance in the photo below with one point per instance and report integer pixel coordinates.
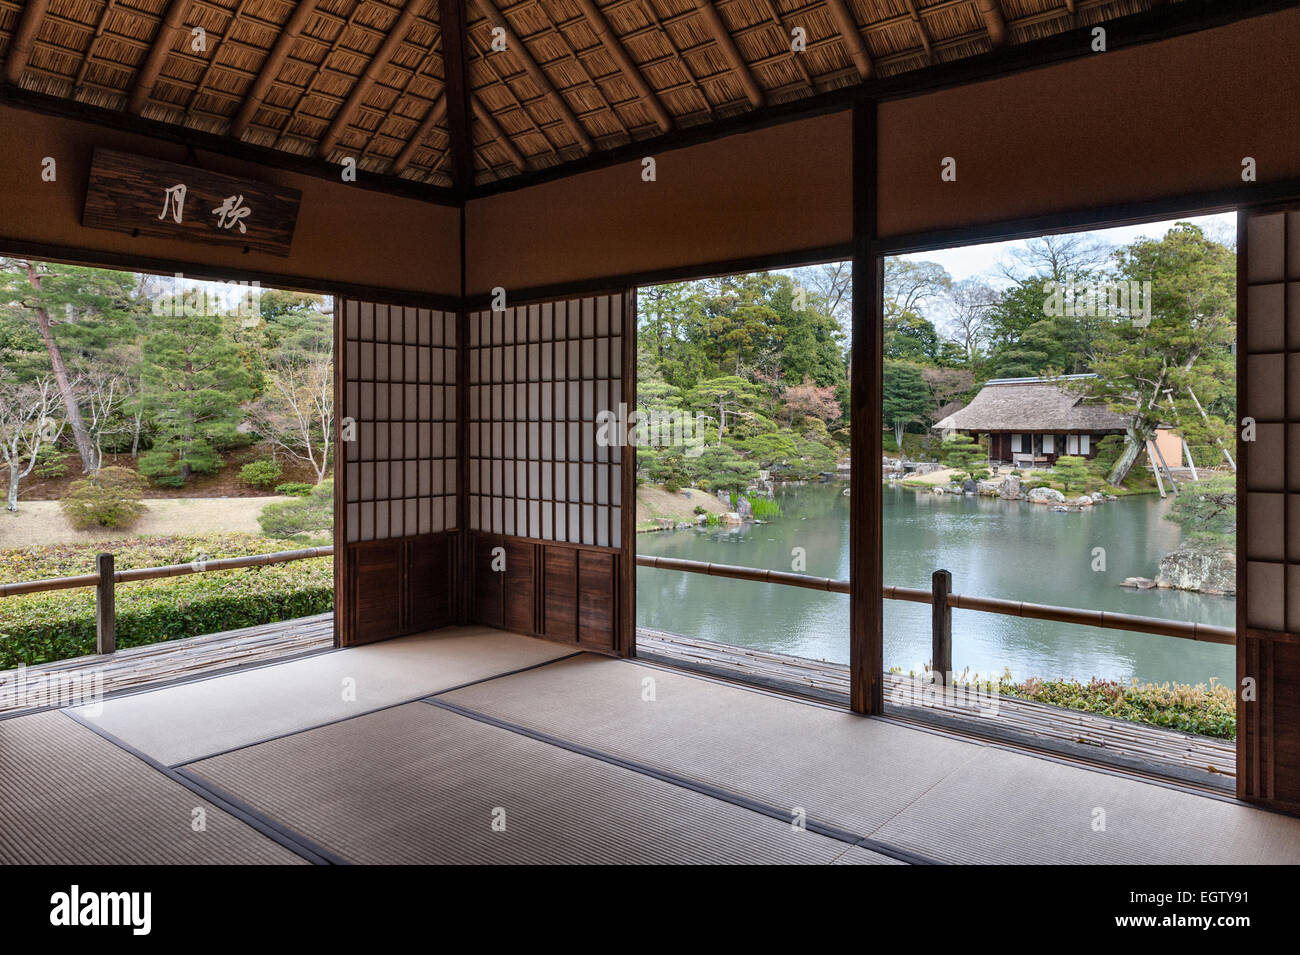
(781, 189)
(1149, 122)
(345, 233)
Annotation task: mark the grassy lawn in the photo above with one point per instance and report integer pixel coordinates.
(37, 523)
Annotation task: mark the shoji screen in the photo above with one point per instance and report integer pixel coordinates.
(542, 487)
(396, 469)
(1268, 653)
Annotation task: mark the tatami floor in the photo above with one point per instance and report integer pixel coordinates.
(472, 745)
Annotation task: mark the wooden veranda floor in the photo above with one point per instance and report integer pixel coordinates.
(1198, 759)
(137, 667)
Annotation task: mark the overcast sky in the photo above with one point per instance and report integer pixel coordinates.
(982, 260)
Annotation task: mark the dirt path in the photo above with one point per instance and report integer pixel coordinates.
(41, 522)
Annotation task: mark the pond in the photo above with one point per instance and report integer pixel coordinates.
(993, 548)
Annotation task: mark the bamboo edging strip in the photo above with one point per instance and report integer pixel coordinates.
(1015, 608)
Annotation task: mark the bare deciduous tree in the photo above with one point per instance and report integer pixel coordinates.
(971, 300)
(1058, 257)
(296, 413)
(26, 424)
(103, 390)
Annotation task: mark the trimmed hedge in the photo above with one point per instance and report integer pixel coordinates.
(41, 628)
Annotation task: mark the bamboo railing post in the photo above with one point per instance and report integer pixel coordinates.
(941, 626)
(105, 613)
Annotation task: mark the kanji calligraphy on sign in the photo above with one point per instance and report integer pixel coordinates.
(143, 196)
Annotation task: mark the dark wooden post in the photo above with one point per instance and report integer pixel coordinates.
(941, 626)
(105, 613)
(866, 568)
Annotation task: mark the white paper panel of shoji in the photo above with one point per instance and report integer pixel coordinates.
(400, 391)
(540, 378)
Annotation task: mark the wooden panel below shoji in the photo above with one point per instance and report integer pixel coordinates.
(1268, 518)
(568, 593)
(396, 587)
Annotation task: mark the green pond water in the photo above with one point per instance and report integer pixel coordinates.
(993, 548)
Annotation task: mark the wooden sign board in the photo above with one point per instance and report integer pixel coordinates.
(143, 196)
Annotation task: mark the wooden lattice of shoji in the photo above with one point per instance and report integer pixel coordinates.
(396, 494)
(1268, 655)
(540, 375)
(399, 388)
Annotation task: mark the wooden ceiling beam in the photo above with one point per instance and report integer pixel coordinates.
(921, 30)
(271, 66)
(431, 120)
(535, 73)
(367, 79)
(100, 24)
(484, 116)
(993, 21)
(848, 30)
(718, 30)
(173, 22)
(605, 33)
(24, 39)
(453, 19)
(520, 106)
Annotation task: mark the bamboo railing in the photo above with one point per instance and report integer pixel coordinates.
(944, 601)
(105, 579)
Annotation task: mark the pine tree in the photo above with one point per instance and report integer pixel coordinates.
(194, 382)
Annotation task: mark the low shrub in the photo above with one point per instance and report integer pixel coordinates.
(301, 516)
(50, 462)
(1205, 710)
(262, 473)
(111, 497)
(294, 489)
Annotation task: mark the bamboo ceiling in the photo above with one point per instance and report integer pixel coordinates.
(365, 78)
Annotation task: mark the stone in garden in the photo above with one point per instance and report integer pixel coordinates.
(1141, 583)
(1205, 568)
(1098, 497)
(1083, 500)
(969, 487)
(745, 509)
(1009, 489)
(1045, 495)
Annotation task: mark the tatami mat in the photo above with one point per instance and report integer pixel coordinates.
(419, 784)
(1011, 808)
(917, 792)
(180, 723)
(844, 771)
(69, 797)
(856, 855)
